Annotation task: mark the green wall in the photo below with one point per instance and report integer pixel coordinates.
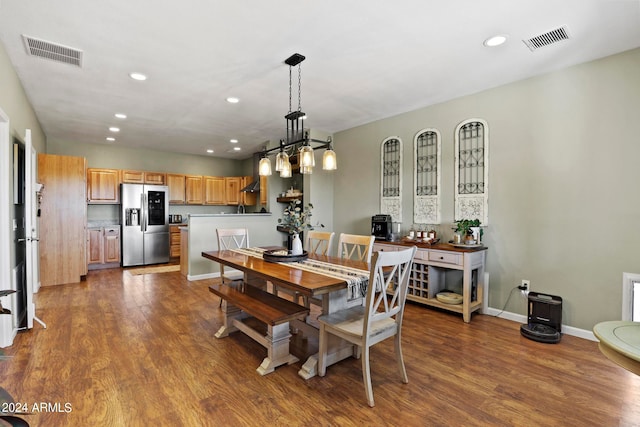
(118, 157)
(563, 184)
(16, 105)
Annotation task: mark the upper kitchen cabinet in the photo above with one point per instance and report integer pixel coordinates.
(247, 198)
(193, 189)
(140, 177)
(214, 190)
(176, 185)
(103, 185)
(232, 186)
(155, 178)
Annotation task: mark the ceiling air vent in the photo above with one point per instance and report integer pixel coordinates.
(53, 51)
(548, 38)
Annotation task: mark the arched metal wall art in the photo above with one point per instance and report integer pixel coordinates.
(426, 177)
(391, 178)
(472, 170)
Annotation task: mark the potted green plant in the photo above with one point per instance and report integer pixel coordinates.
(466, 227)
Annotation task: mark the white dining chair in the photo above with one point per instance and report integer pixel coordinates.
(231, 238)
(379, 319)
(319, 242)
(353, 246)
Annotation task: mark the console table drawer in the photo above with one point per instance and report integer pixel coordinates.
(445, 257)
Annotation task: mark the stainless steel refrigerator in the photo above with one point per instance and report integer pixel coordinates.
(145, 224)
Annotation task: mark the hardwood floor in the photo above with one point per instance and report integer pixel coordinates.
(124, 350)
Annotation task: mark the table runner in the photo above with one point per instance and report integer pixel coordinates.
(357, 279)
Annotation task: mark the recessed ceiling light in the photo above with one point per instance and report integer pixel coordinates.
(233, 141)
(237, 148)
(114, 129)
(110, 139)
(209, 151)
(495, 40)
(137, 76)
(233, 100)
(120, 115)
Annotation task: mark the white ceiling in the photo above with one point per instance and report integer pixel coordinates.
(366, 60)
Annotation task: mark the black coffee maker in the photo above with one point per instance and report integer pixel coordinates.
(381, 227)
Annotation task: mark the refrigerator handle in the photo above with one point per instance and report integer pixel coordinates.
(143, 212)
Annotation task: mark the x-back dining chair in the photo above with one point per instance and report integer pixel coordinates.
(319, 242)
(353, 246)
(231, 238)
(379, 319)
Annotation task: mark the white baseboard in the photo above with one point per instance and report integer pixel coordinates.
(203, 276)
(569, 330)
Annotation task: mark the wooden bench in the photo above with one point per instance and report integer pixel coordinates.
(244, 300)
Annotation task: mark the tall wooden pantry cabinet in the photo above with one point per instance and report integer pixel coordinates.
(63, 219)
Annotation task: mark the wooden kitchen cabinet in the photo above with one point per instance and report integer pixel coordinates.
(232, 190)
(142, 177)
(176, 183)
(193, 189)
(103, 186)
(155, 178)
(95, 246)
(174, 237)
(132, 177)
(112, 245)
(248, 199)
(214, 190)
(103, 247)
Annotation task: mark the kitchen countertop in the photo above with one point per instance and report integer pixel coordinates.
(102, 223)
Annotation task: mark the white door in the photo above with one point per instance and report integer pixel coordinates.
(31, 210)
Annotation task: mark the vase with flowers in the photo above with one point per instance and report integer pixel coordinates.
(296, 219)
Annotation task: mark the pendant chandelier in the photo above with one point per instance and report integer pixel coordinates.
(297, 136)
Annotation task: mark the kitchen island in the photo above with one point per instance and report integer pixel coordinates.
(201, 237)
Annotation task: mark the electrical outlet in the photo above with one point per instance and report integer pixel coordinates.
(524, 286)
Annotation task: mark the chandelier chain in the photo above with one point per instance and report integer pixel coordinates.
(299, 87)
(289, 88)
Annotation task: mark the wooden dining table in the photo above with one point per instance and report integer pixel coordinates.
(334, 293)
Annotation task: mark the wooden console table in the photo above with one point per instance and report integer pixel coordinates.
(430, 267)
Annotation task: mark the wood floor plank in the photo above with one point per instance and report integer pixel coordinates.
(128, 350)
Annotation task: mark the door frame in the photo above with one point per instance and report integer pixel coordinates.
(6, 239)
(31, 235)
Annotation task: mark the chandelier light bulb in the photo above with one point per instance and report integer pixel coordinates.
(281, 158)
(329, 162)
(264, 167)
(306, 156)
(285, 172)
